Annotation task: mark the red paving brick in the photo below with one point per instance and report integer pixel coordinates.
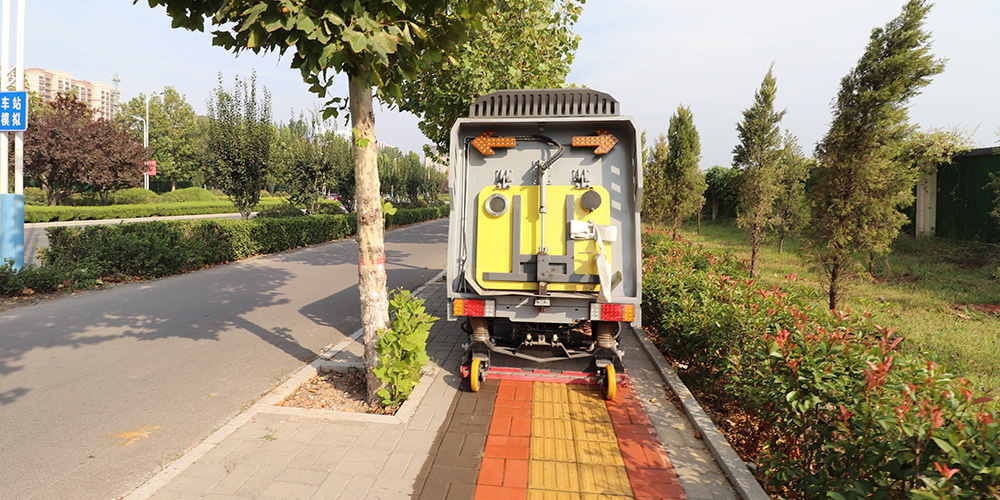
(486, 492)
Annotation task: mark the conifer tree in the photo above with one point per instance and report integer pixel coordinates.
(791, 208)
(861, 184)
(757, 156)
(682, 183)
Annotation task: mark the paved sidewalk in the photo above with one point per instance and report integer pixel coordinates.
(441, 443)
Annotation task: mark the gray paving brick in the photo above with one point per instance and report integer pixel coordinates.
(308, 456)
(206, 469)
(330, 457)
(357, 487)
(236, 476)
(306, 432)
(302, 476)
(288, 491)
(416, 441)
(361, 462)
(191, 484)
(241, 451)
(262, 477)
(165, 495)
(396, 465)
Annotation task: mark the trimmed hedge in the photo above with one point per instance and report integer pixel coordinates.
(161, 248)
(836, 409)
(62, 213)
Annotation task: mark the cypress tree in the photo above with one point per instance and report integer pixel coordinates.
(861, 184)
(683, 184)
(757, 156)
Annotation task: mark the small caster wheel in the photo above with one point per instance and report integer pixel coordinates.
(609, 383)
(477, 374)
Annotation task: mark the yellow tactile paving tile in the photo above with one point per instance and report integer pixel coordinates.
(550, 392)
(550, 410)
(553, 495)
(556, 428)
(604, 479)
(558, 476)
(594, 431)
(594, 452)
(581, 394)
(558, 450)
(589, 413)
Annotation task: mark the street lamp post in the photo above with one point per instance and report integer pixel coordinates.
(145, 141)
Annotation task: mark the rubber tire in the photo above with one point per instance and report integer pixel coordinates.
(610, 385)
(475, 370)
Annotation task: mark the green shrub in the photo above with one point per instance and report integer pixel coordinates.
(143, 249)
(42, 279)
(82, 200)
(134, 196)
(11, 282)
(84, 255)
(50, 214)
(286, 210)
(189, 194)
(402, 348)
(35, 197)
(840, 411)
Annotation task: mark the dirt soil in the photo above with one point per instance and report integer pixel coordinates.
(336, 391)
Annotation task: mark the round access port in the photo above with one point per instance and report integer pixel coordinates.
(497, 204)
(590, 200)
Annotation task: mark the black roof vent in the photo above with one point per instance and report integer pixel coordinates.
(544, 103)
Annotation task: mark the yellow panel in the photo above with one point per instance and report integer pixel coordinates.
(494, 234)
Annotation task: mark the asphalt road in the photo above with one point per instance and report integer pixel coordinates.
(100, 390)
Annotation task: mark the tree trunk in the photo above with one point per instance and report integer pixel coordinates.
(371, 237)
(834, 295)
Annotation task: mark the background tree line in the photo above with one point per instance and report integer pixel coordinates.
(236, 148)
(848, 200)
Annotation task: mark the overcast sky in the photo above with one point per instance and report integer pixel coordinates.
(651, 55)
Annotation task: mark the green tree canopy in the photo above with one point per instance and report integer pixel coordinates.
(240, 135)
(757, 157)
(68, 151)
(296, 162)
(861, 184)
(520, 44)
(791, 207)
(376, 43)
(675, 187)
(173, 133)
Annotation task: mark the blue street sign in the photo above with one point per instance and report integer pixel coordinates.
(13, 111)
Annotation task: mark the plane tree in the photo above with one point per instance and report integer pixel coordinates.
(379, 45)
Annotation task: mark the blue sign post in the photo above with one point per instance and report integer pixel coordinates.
(13, 111)
(13, 118)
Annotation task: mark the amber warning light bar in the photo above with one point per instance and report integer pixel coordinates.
(473, 307)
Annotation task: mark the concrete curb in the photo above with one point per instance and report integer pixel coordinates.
(742, 481)
(266, 405)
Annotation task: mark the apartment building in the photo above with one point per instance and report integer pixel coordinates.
(101, 97)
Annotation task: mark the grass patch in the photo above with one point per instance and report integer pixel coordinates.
(931, 289)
